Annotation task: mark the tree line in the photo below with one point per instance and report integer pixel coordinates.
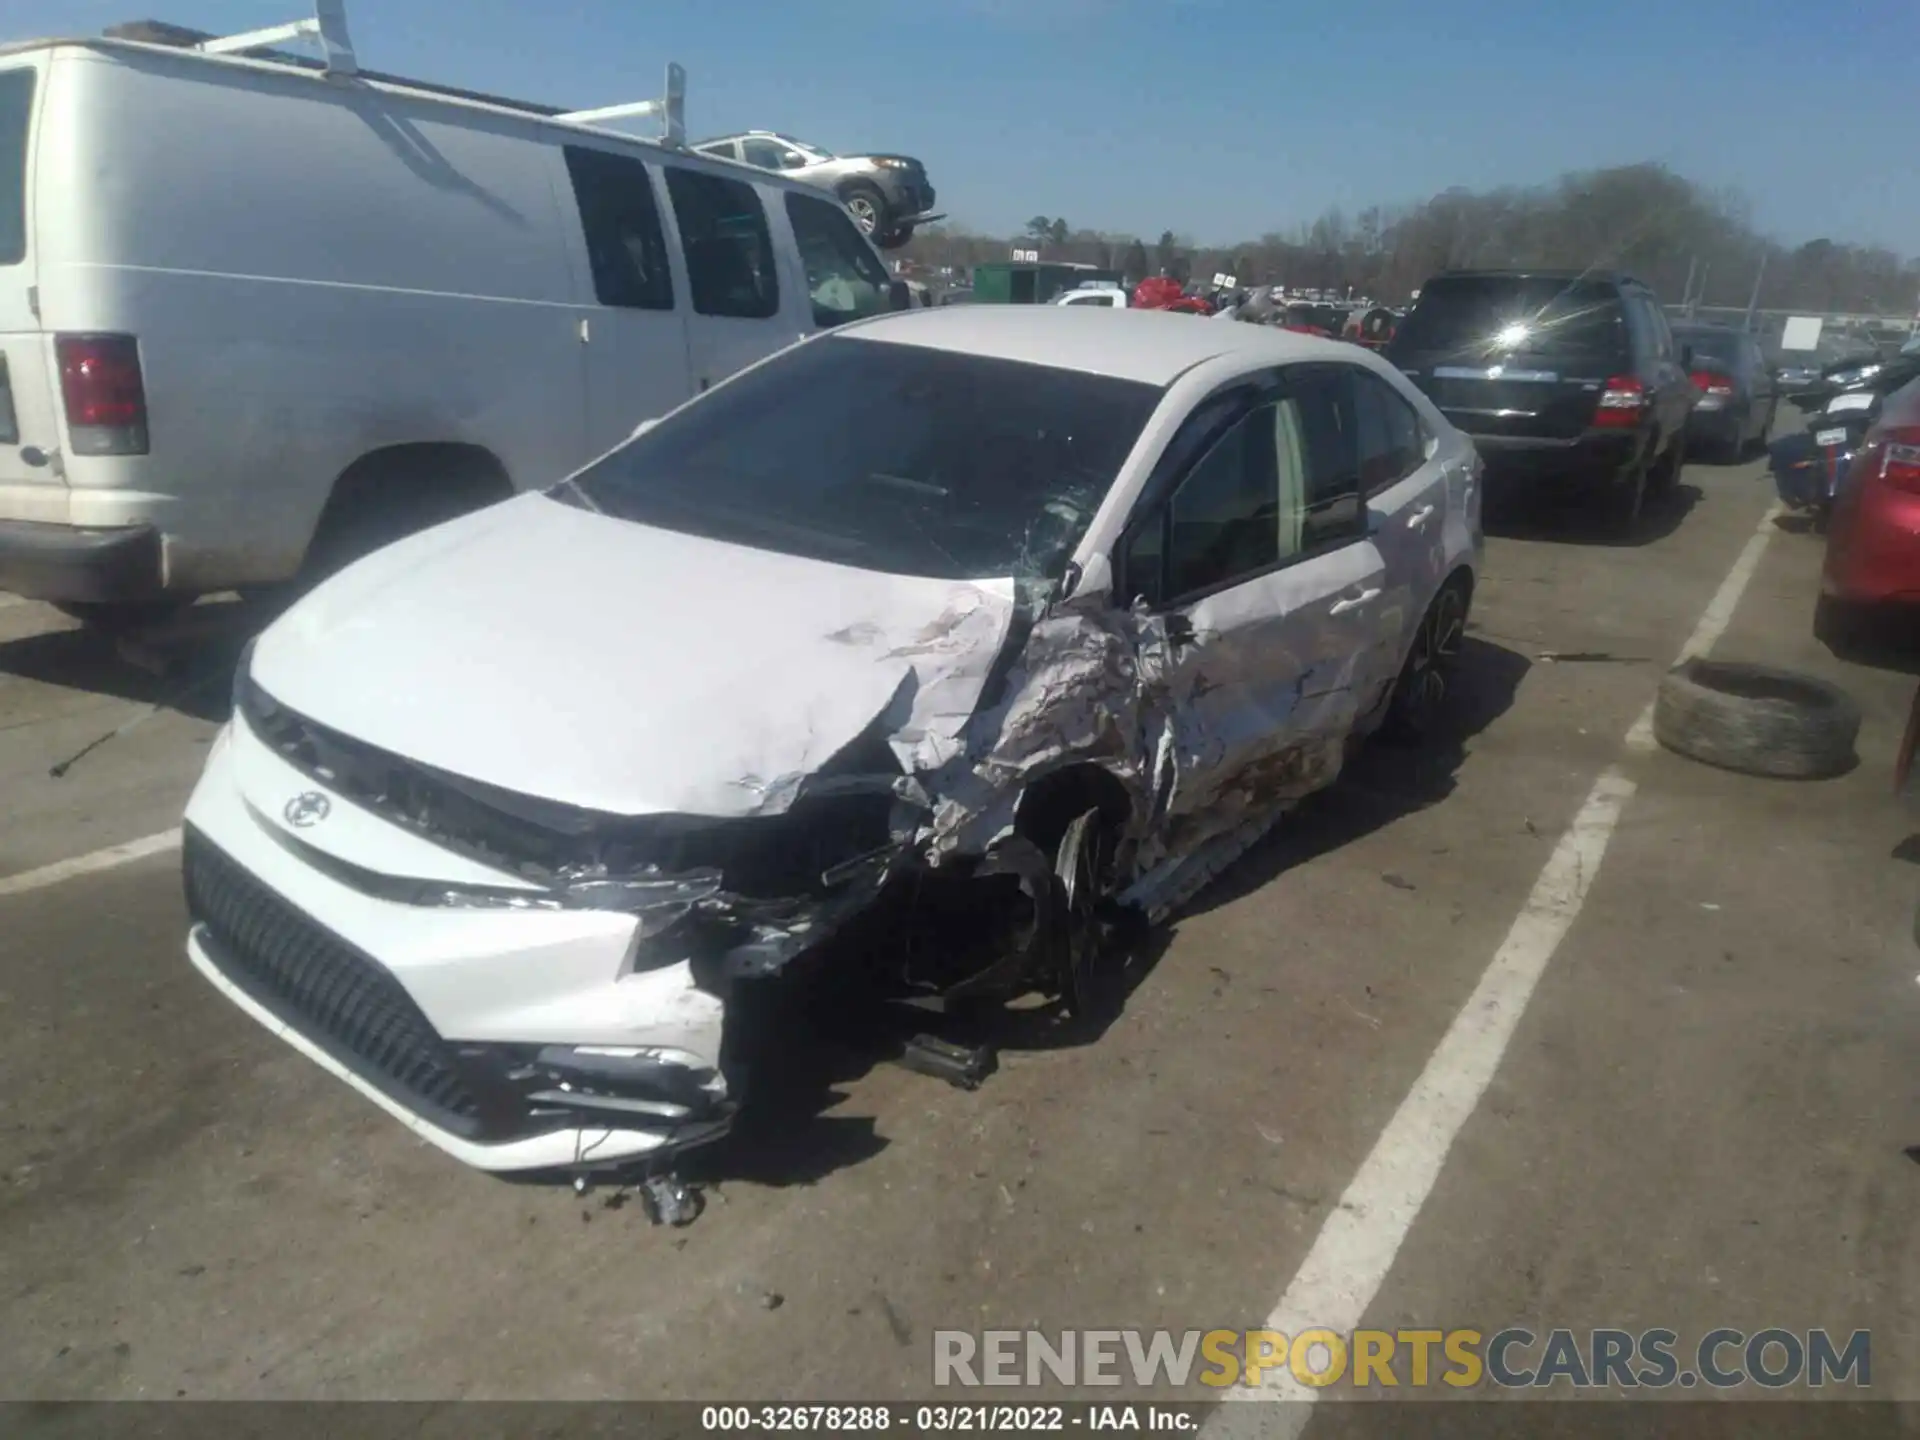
(1669, 231)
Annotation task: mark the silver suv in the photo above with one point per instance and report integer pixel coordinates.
(887, 195)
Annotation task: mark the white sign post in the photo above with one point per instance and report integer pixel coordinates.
(1802, 333)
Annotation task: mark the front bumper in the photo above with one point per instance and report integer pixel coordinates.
(45, 561)
(909, 197)
(512, 1039)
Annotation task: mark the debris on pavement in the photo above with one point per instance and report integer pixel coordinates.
(962, 1066)
(1398, 882)
(669, 1200)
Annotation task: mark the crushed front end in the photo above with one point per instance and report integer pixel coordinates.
(526, 985)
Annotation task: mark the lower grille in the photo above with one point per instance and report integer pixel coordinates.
(342, 1000)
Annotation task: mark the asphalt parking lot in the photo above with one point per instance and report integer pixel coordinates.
(1699, 1111)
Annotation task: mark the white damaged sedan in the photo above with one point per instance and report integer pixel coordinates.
(926, 647)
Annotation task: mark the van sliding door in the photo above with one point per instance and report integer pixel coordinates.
(635, 336)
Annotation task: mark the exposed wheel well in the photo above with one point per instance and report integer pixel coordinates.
(388, 493)
(1054, 801)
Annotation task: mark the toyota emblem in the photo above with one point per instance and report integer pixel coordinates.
(306, 809)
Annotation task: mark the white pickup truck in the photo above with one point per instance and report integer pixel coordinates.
(1096, 293)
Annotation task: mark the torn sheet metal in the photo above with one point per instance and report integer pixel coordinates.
(1212, 736)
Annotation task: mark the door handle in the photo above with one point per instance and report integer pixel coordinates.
(1353, 602)
(1420, 517)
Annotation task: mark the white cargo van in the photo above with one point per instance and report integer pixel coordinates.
(259, 313)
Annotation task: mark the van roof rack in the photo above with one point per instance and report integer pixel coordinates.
(328, 26)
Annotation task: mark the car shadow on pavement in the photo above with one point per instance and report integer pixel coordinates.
(1383, 781)
(192, 674)
(813, 1043)
(1888, 640)
(1513, 513)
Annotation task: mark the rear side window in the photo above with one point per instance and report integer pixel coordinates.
(1329, 437)
(16, 110)
(845, 279)
(1391, 446)
(1712, 351)
(729, 252)
(1483, 315)
(1659, 333)
(625, 246)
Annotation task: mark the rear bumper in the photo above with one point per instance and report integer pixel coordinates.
(1595, 457)
(45, 561)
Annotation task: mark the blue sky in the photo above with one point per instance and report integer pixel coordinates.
(1221, 119)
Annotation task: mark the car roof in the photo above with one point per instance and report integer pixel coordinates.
(1149, 346)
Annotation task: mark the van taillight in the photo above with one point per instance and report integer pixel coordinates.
(105, 398)
(1621, 401)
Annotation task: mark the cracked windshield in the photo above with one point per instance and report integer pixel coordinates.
(957, 718)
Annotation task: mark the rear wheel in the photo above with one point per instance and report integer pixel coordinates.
(1426, 681)
(1663, 476)
(396, 493)
(1628, 497)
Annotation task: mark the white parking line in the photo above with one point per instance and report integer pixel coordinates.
(106, 859)
(1363, 1233)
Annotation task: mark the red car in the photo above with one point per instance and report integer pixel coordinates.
(1161, 293)
(1873, 536)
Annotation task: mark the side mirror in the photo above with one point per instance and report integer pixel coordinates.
(791, 160)
(643, 427)
(899, 297)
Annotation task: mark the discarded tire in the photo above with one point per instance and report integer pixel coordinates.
(1756, 719)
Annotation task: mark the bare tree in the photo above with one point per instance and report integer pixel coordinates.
(1642, 218)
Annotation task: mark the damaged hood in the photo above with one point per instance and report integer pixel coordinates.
(600, 663)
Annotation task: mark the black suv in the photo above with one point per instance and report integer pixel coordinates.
(1559, 377)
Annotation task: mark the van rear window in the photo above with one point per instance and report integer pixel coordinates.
(1484, 314)
(16, 110)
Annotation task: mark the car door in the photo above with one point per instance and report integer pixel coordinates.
(1250, 549)
(844, 279)
(634, 336)
(733, 274)
(1406, 496)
